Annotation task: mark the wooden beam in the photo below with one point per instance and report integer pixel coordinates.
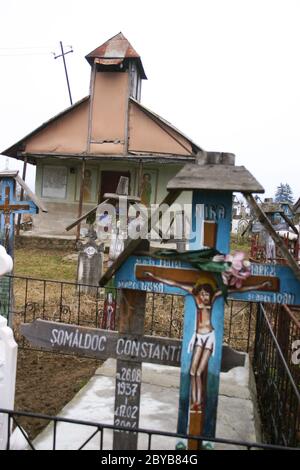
(288, 220)
(80, 197)
(140, 177)
(133, 244)
(31, 195)
(21, 195)
(277, 239)
(84, 216)
(131, 321)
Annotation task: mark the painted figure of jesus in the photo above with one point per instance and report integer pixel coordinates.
(202, 343)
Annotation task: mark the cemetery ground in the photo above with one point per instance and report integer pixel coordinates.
(46, 382)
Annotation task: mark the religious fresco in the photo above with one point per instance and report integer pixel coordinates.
(148, 187)
(89, 185)
(54, 184)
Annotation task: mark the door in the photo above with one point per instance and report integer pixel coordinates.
(110, 180)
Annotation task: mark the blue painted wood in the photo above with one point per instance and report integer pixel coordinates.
(8, 220)
(7, 233)
(217, 206)
(125, 276)
(218, 209)
(289, 291)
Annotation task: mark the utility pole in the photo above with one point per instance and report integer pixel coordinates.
(63, 53)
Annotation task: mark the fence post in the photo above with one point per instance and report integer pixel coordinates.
(8, 365)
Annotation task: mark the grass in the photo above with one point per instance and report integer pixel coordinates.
(46, 264)
(240, 244)
(51, 263)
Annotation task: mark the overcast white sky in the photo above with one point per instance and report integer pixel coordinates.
(225, 72)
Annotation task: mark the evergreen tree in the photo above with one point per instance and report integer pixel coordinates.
(284, 193)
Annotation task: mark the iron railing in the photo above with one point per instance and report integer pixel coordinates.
(267, 333)
(89, 431)
(68, 302)
(240, 325)
(277, 378)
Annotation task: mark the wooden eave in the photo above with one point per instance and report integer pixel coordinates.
(130, 157)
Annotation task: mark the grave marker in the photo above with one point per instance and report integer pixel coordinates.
(9, 207)
(213, 180)
(90, 264)
(130, 347)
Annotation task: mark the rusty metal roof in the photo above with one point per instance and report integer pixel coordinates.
(117, 47)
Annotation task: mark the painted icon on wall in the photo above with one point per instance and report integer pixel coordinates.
(54, 183)
(148, 187)
(89, 184)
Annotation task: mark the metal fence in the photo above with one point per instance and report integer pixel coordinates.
(68, 302)
(98, 436)
(277, 377)
(240, 325)
(267, 333)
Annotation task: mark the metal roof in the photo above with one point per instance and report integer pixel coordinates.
(117, 47)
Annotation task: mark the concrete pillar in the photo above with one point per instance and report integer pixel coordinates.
(8, 365)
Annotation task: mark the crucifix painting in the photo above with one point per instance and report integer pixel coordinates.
(203, 288)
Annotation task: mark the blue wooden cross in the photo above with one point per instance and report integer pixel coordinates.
(9, 207)
(213, 182)
(213, 179)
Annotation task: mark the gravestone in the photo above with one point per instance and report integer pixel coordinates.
(90, 264)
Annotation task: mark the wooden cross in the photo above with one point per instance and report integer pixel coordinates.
(130, 347)
(198, 349)
(9, 206)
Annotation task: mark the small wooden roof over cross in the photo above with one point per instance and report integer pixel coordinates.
(215, 171)
(15, 176)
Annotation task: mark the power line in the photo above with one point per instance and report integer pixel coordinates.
(24, 54)
(24, 47)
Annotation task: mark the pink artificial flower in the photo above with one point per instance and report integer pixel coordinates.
(238, 269)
